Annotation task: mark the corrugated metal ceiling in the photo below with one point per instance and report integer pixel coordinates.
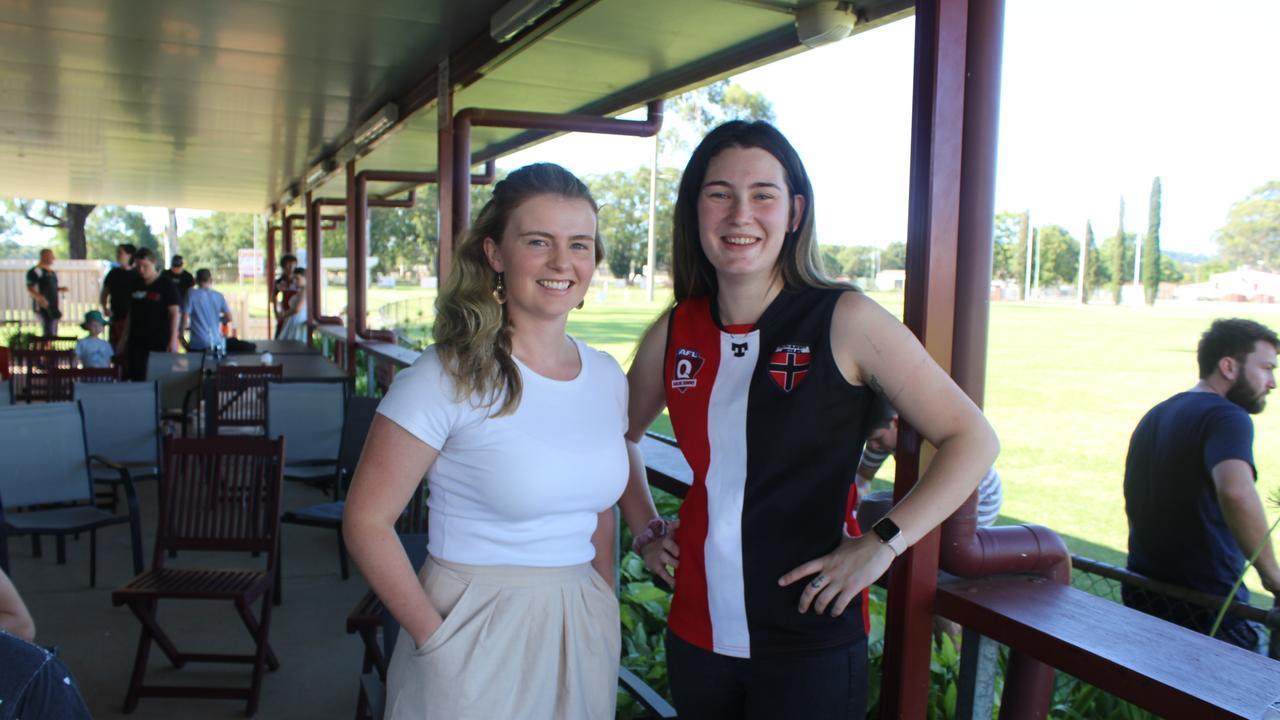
(220, 104)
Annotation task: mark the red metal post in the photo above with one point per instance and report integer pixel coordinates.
(272, 232)
(932, 231)
(313, 262)
(446, 184)
(464, 120)
(355, 228)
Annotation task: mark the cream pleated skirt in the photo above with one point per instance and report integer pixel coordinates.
(517, 642)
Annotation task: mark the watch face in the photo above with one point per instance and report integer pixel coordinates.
(886, 530)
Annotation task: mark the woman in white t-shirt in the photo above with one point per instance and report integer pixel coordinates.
(519, 430)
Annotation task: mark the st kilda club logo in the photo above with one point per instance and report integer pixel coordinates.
(688, 363)
(788, 365)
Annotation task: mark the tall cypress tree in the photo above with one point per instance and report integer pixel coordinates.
(1151, 247)
(1020, 261)
(1090, 268)
(1117, 259)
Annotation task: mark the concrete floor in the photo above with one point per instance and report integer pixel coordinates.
(319, 662)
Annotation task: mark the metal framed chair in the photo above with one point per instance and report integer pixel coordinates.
(122, 421)
(178, 376)
(310, 415)
(54, 484)
(32, 372)
(221, 495)
(355, 428)
(237, 397)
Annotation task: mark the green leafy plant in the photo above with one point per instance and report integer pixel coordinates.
(1274, 500)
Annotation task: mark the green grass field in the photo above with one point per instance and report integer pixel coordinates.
(1065, 386)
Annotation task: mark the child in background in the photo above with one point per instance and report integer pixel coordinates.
(93, 351)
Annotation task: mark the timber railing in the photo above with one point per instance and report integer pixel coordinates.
(1153, 664)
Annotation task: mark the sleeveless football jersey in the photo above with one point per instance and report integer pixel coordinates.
(773, 432)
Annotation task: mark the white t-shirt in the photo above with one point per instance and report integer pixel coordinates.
(525, 488)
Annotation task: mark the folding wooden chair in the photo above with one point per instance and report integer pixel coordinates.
(32, 372)
(221, 494)
(237, 397)
(63, 380)
(61, 342)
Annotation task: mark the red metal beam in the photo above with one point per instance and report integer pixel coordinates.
(466, 119)
(932, 229)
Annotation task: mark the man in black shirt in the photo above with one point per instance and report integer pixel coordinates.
(152, 322)
(116, 287)
(182, 279)
(42, 286)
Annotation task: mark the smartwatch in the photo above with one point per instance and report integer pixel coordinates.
(890, 534)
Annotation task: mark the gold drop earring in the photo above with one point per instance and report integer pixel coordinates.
(500, 291)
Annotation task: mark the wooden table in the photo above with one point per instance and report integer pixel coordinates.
(297, 368)
(280, 347)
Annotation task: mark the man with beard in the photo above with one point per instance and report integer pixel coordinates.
(1194, 514)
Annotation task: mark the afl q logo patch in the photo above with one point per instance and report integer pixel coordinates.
(685, 369)
(788, 365)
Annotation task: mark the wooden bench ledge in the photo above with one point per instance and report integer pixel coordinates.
(1168, 669)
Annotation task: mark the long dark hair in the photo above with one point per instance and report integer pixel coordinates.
(472, 331)
(799, 262)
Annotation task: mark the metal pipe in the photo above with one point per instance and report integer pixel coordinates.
(355, 228)
(468, 118)
(313, 262)
(272, 231)
(358, 241)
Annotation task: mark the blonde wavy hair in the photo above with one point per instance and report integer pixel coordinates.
(472, 332)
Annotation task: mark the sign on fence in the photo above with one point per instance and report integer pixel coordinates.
(250, 263)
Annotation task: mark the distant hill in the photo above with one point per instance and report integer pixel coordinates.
(1184, 257)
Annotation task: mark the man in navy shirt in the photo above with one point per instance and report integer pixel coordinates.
(1194, 514)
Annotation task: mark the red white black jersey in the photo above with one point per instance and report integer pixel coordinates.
(773, 432)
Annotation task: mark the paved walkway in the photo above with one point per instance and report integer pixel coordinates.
(319, 662)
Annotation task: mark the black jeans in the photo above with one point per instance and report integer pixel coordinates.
(49, 322)
(827, 684)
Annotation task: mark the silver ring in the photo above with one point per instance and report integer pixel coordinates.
(818, 582)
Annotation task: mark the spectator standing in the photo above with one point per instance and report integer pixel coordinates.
(294, 313)
(182, 279)
(154, 316)
(42, 286)
(203, 314)
(1194, 512)
(283, 290)
(116, 287)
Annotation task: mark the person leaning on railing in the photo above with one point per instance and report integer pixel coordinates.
(519, 429)
(768, 370)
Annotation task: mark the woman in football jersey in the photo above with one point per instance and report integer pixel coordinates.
(519, 430)
(768, 370)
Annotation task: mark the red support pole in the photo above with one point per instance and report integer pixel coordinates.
(466, 119)
(272, 232)
(355, 228)
(313, 263)
(932, 231)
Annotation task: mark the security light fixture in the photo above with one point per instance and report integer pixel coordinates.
(319, 172)
(517, 15)
(825, 22)
(376, 126)
(290, 194)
